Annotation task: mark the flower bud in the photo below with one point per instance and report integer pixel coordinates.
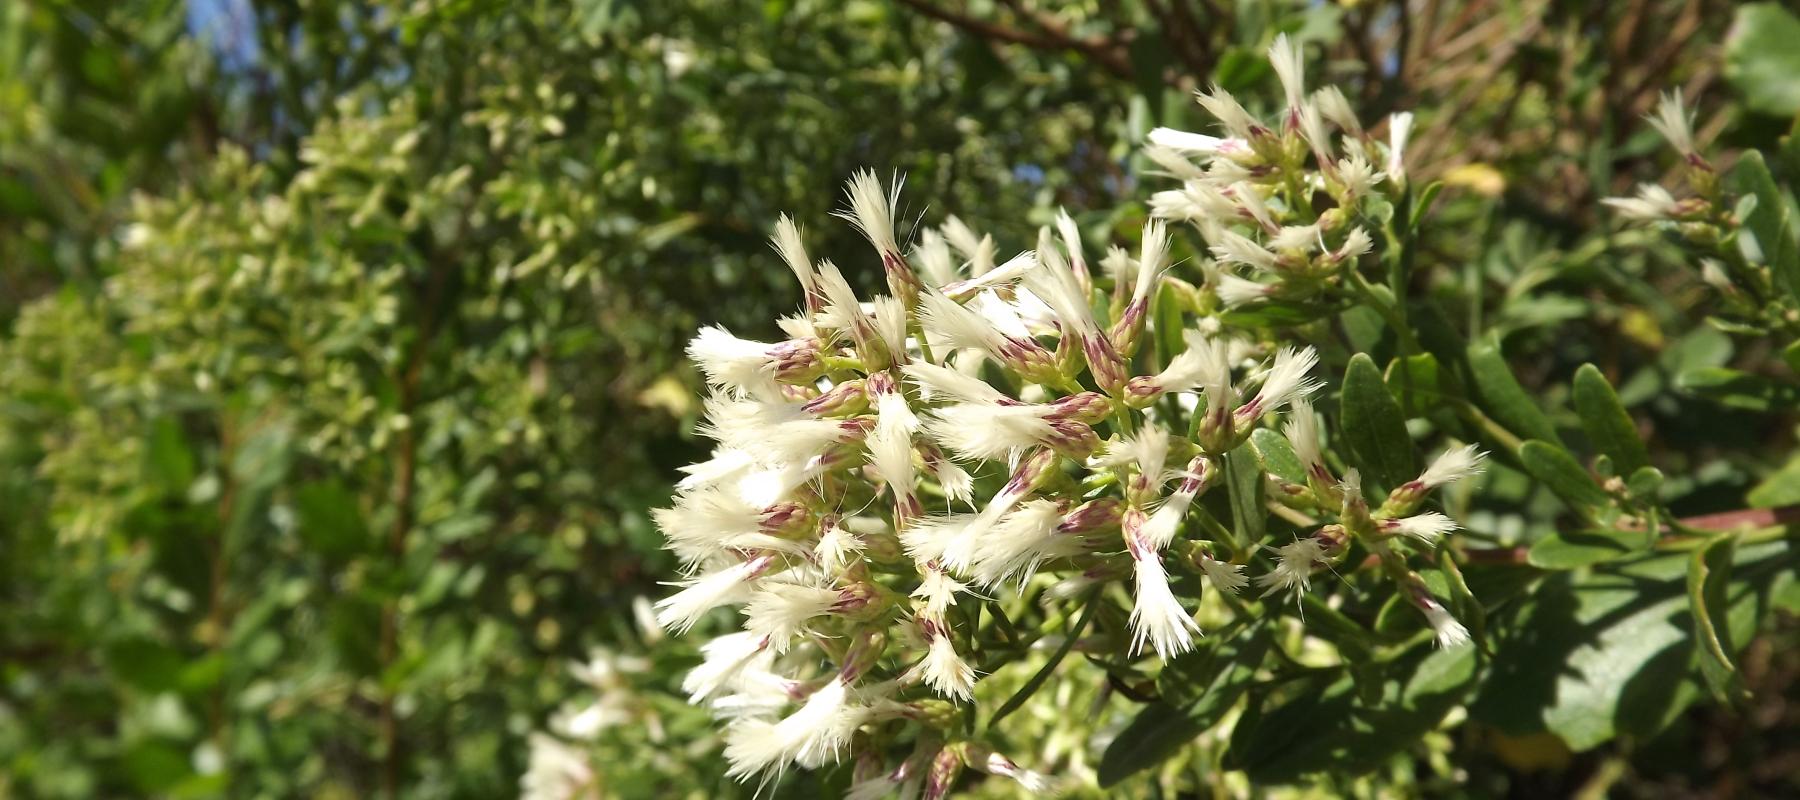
(1094, 516)
(946, 767)
(845, 399)
(1084, 407)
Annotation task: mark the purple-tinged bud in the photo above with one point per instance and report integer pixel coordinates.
(1332, 539)
(1074, 439)
(902, 282)
(935, 713)
(797, 392)
(1031, 361)
(1126, 331)
(862, 655)
(787, 518)
(1142, 391)
(797, 360)
(844, 399)
(1094, 516)
(880, 383)
(857, 599)
(1031, 473)
(1084, 407)
(946, 767)
(1105, 363)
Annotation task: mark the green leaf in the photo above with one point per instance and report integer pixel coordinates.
(1374, 426)
(1320, 725)
(1562, 474)
(1736, 389)
(1158, 732)
(1070, 636)
(1761, 60)
(1606, 422)
(144, 663)
(1277, 456)
(1781, 488)
(1709, 570)
(1243, 474)
(1770, 221)
(1594, 657)
(168, 461)
(1420, 384)
(1576, 549)
(1197, 688)
(329, 520)
(1502, 396)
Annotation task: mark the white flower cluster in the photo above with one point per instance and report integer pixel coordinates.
(897, 459)
(1251, 191)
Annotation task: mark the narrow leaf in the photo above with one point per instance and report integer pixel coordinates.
(1606, 422)
(1374, 426)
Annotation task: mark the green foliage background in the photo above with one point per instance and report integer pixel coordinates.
(342, 357)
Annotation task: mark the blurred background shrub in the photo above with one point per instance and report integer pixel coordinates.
(342, 349)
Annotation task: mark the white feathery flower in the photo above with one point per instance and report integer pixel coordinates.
(933, 256)
(1156, 616)
(938, 591)
(1173, 162)
(815, 733)
(1146, 449)
(724, 659)
(871, 212)
(1303, 435)
(557, 771)
(1162, 526)
(1454, 465)
(1285, 381)
(1234, 248)
(1336, 107)
(950, 322)
(1118, 265)
(988, 432)
(958, 485)
(1356, 244)
(890, 453)
(787, 242)
(1652, 203)
(1399, 130)
(1193, 144)
(1056, 286)
(1312, 129)
(798, 326)
(1428, 527)
(707, 522)
(937, 382)
(945, 671)
(797, 441)
(779, 611)
(842, 309)
(729, 362)
(756, 693)
(1201, 365)
(1031, 782)
(1176, 204)
(1290, 67)
(931, 539)
(1070, 233)
(890, 324)
(1020, 541)
(1296, 237)
(1153, 257)
(1236, 292)
(1250, 200)
(1224, 576)
(1673, 122)
(726, 463)
(1219, 103)
(978, 249)
(1357, 175)
(1450, 633)
(678, 612)
(1294, 564)
(836, 548)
